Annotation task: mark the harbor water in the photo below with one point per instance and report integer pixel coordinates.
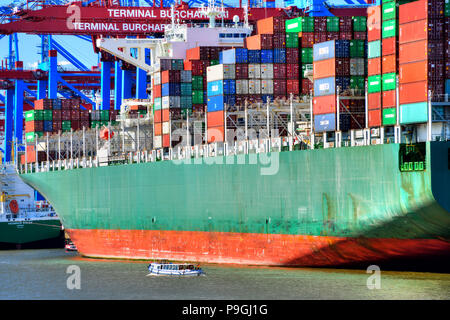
(55, 274)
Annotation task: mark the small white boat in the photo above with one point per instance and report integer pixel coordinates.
(174, 269)
(70, 246)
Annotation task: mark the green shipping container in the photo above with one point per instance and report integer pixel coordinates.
(389, 81)
(304, 68)
(413, 113)
(186, 89)
(29, 136)
(307, 55)
(357, 82)
(94, 124)
(214, 62)
(389, 11)
(185, 112)
(140, 112)
(34, 115)
(360, 24)
(197, 97)
(332, 24)
(291, 40)
(389, 117)
(197, 83)
(158, 104)
(389, 29)
(104, 115)
(374, 84)
(307, 24)
(48, 115)
(447, 8)
(374, 49)
(294, 25)
(357, 48)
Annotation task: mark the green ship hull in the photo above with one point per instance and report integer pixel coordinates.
(27, 231)
(324, 207)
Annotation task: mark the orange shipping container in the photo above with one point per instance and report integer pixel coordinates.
(187, 64)
(268, 25)
(166, 140)
(413, 31)
(193, 54)
(374, 118)
(388, 46)
(389, 64)
(157, 91)
(324, 68)
(165, 115)
(373, 15)
(216, 134)
(374, 66)
(215, 119)
(389, 99)
(374, 32)
(157, 117)
(158, 129)
(374, 100)
(413, 92)
(413, 11)
(324, 104)
(413, 51)
(413, 72)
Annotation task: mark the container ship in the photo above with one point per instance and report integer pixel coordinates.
(310, 141)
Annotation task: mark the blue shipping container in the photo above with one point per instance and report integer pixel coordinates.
(217, 103)
(325, 122)
(254, 56)
(264, 97)
(279, 55)
(48, 126)
(343, 83)
(232, 56)
(266, 56)
(220, 87)
(342, 49)
(447, 86)
(170, 89)
(323, 50)
(325, 86)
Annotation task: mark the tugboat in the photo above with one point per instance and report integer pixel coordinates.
(174, 269)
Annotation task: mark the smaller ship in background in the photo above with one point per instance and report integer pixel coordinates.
(25, 222)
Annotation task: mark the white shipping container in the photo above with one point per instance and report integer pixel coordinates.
(254, 71)
(170, 102)
(241, 86)
(220, 72)
(254, 86)
(157, 142)
(266, 86)
(157, 78)
(267, 71)
(165, 127)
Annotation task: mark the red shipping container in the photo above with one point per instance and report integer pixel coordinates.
(198, 67)
(292, 86)
(373, 66)
(324, 68)
(413, 51)
(413, 11)
(307, 39)
(360, 35)
(43, 104)
(32, 126)
(200, 108)
(345, 24)
(56, 126)
(75, 115)
(170, 76)
(259, 42)
(157, 127)
(84, 124)
(279, 87)
(320, 37)
(292, 55)
(157, 91)
(389, 99)
(413, 31)
(345, 35)
(413, 72)
(166, 140)
(307, 86)
(333, 36)
(65, 115)
(216, 134)
(84, 115)
(157, 116)
(56, 115)
(374, 32)
(292, 71)
(413, 92)
(279, 71)
(75, 125)
(389, 64)
(241, 71)
(165, 115)
(324, 104)
(342, 66)
(197, 53)
(270, 25)
(279, 40)
(374, 118)
(388, 46)
(374, 101)
(215, 118)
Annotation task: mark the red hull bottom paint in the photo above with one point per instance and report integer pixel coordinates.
(249, 248)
